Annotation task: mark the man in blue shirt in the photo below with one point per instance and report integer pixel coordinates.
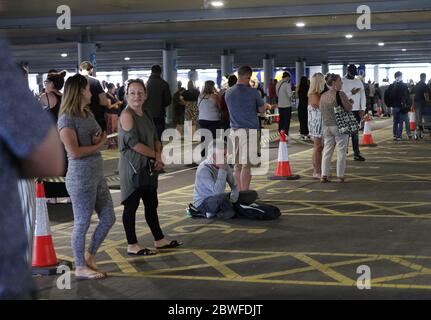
(244, 103)
(29, 147)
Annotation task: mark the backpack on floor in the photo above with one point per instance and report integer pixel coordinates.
(257, 211)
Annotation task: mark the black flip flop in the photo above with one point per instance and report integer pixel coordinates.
(142, 252)
(171, 245)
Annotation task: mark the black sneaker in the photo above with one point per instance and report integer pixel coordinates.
(359, 158)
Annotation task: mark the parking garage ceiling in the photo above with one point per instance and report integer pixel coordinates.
(250, 29)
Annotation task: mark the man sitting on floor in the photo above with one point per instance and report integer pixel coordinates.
(209, 197)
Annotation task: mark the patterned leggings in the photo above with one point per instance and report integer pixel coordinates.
(89, 194)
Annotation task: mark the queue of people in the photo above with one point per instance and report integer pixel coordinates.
(85, 114)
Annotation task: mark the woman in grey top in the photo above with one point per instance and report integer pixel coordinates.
(85, 181)
(332, 137)
(139, 143)
(209, 113)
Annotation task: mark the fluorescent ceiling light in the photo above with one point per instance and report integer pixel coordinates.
(381, 44)
(404, 50)
(217, 4)
(64, 55)
(349, 36)
(300, 24)
(127, 58)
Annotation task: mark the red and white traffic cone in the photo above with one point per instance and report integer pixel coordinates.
(367, 138)
(412, 122)
(44, 260)
(412, 119)
(283, 171)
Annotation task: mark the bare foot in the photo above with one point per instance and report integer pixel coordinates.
(165, 244)
(87, 273)
(316, 176)
(135, 248)
(90, 260)
(161, 243)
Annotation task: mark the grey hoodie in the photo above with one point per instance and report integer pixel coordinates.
(211, 181)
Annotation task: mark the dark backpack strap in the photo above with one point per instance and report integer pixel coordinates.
(338, 98)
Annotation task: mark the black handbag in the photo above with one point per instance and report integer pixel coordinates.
(145, 177)
(346, 121)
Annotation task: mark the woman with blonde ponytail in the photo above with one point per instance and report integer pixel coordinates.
(85, 181)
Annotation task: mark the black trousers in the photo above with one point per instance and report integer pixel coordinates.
(355, 137)
(160, 126)
(303, 120)
(211, 126)
(285, 117)
(149, 197)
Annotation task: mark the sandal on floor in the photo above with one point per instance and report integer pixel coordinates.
(171, 245)
(92, 276)
(341, 179)
(324, 179)
(142, 252)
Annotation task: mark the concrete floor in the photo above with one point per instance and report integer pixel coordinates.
(380, 219)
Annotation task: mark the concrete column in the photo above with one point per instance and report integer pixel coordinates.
(300, 70)
(268, 71)
(376, 74)
(325, 67)
(87, 52)
(387, 75)
(227, 60)
(170, 76)
(125, 74)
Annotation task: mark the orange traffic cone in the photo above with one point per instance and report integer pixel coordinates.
(367, 138)
(412, 119)
(283, 171)
(44, 259)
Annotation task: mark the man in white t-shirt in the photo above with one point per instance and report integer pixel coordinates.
(354, 89)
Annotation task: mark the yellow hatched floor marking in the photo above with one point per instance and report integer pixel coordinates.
(120, 261)
(394, 210)
(408, 264)
(64, 257)
(272, 282)
(219, 266)
(324, 269)
(310, 268)
(314, 265)
(322, 205)
(396, 277)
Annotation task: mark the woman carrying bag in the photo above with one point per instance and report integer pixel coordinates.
(334, 133)
(140, 162)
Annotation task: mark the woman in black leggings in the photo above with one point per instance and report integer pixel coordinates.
(140, 149)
